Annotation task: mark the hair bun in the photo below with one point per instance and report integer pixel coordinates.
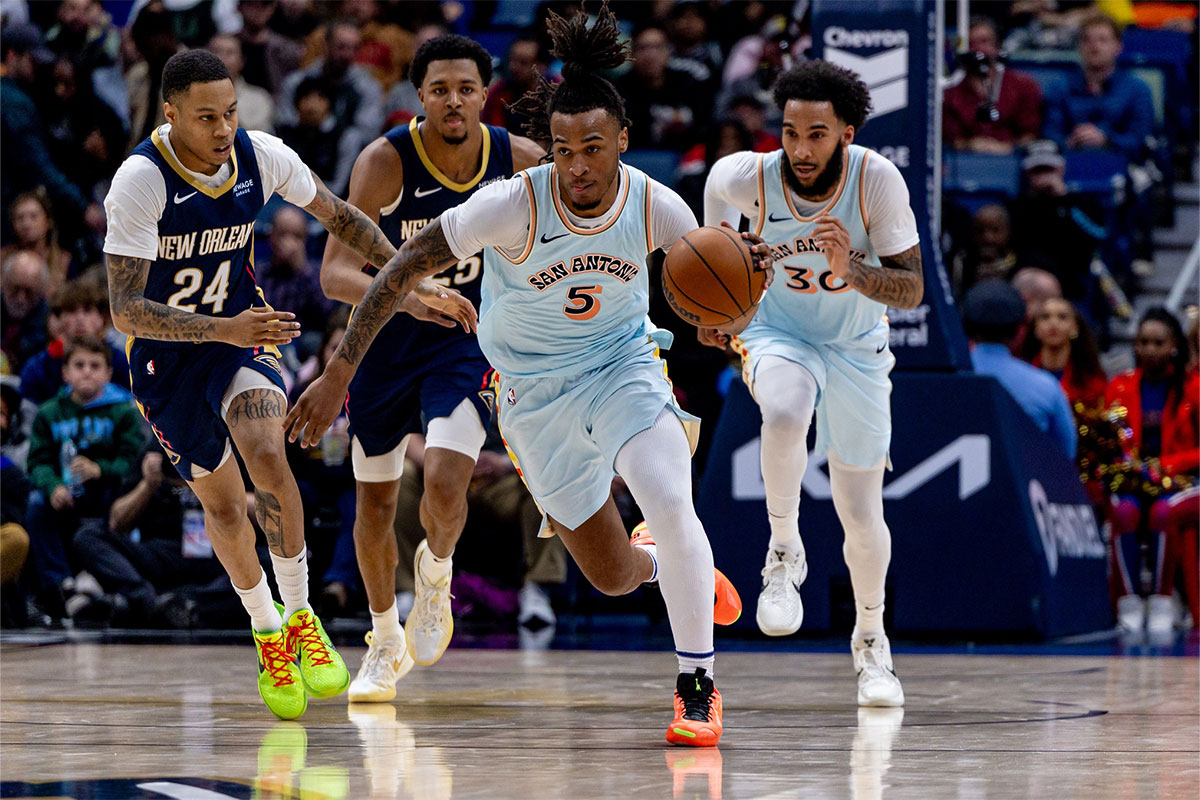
(573, 72)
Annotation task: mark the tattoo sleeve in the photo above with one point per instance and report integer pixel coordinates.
(147, 319)
(354, 228)
(898, 282)
(427, 253)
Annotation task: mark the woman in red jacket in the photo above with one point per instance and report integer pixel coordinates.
(1062, 344)
(1161, 398)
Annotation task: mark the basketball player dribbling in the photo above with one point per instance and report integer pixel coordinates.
(582, 392)
(404, 180)
(202, 345)
(838, 221)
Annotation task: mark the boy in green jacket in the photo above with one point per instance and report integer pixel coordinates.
(82, 444)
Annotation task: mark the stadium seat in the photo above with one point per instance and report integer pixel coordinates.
(658, 164)
(973, 180)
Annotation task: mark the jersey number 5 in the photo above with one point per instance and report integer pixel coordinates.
(190, 278)
(583, 302)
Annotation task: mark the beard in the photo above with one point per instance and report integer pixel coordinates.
(825, 179)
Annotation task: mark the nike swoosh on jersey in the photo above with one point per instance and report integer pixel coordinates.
(425, 192)
(179, 199)
(771, 218)
(552, 238)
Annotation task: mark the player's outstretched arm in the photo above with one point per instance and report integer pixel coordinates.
(134, 315)
(898, 281)
(351, 226)
(425, 254)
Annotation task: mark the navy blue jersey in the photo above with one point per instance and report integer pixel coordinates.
(205, 260)
(426, 194)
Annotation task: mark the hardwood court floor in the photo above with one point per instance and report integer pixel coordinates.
(185, 721)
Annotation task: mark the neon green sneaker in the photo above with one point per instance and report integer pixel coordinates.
(321, 668)
(280, 758)
(279, 680)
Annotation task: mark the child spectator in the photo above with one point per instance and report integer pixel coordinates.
(82, 445)
(77, 309)
(1160, 397)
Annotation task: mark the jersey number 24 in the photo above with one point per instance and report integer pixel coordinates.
(215, 294)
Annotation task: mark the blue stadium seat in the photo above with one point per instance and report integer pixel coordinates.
(658, 164)
(1098, 172)
(1045, 73)
(973, 180)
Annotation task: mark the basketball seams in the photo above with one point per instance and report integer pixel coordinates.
(689, 298)
(707, 266)
(738, 242)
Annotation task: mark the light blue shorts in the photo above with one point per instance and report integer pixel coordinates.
(564, 433)
(854, 410)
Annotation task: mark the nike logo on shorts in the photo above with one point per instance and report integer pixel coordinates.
(546, 240)
(179, 199)
(881, 348)
(419, 193)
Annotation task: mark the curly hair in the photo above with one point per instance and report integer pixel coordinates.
(190, 66)
(820, 81)
(450, 47)
(584, 52)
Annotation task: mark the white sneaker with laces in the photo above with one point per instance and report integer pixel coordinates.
(381, 667)
(1131, 613)
(877, 681)
(535, 608)
(780, 611)
(1160, 614)
(430, 624)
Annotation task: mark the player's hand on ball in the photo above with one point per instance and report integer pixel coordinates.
(761, 253)
(442, 306)
(315, 410)
(834, 240)
(712, 338)
(258, 327)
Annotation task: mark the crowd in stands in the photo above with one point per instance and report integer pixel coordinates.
(109, 534)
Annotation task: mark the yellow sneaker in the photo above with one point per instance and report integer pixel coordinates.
(322, 670)
(279, 679)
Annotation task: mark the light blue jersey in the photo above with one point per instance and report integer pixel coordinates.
(575, 299)
(806, 300)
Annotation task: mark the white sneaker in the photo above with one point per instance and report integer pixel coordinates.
(381, 667)
(404, 604)
(1131, 613)
(388, 747)
(877, 681)
(535, 608)
(780, 611)
(430, 624)
(1161, 614)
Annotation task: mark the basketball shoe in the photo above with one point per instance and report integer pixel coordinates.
(382, 666)
(279, 681)
(321, 668)
(430, 623)
(281, 757)
(727, 604)
(780, 611)
(697, 720)
(877, 681)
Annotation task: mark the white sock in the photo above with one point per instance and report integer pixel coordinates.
(656, 465)
(858, 500)
(652, 549)
(786, 394)
(386, 625)
(291, 576)
(260, 605)
(435, 569)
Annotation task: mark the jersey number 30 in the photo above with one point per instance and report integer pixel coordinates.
(215, 294)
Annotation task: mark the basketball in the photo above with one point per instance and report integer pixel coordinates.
(709, 277)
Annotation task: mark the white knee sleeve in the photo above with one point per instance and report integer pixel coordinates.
(786, 394)
(656, 465)
(858, 500)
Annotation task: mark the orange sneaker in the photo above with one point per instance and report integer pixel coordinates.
(697, 720)
(727, 604)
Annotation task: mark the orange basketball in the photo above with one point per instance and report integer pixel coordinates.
(709, 277)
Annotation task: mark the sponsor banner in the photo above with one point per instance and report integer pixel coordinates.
(991, 529)
(894, 46)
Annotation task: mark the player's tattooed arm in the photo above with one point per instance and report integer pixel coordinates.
(350, 225)
(136, 315)
(425, 254)
(898, 282)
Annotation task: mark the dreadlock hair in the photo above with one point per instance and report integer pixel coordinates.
(584, 52)
(819, 81)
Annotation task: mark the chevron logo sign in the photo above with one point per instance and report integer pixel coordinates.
(885, 73)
